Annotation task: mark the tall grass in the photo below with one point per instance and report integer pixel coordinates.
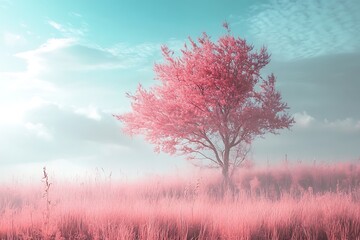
(288, 202)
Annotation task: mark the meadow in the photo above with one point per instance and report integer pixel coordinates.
(318, 201)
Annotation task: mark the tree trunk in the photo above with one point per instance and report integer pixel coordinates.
(225, 181)
(225, 172)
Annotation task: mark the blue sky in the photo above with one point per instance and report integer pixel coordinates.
(65, 67)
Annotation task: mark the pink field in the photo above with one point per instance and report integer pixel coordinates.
(298, 202)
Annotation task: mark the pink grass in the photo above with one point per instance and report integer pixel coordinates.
(299, 202)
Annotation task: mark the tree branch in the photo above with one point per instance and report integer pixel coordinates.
(213, 148)
(207, 157)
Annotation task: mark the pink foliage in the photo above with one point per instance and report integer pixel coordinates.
(211, 101)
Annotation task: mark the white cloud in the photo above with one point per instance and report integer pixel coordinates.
(21, 92)
(39, 130)
(90, 112)
(13, 112)
(48, 131)
(347, 124)
(303, 119)
(36, 60)
(76, 123)
(306, 28)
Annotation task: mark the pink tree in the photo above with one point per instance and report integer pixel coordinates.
(210, 103)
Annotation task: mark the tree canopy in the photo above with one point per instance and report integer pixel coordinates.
(210, 102)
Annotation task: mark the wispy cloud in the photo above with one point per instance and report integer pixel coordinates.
(69, 54)
(142, 53)
(64, 54)
(75, 14)
(68, 30)
(306, 28)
